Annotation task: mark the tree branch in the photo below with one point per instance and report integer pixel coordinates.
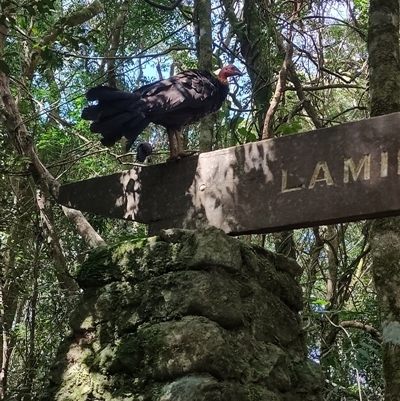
(162, 6)
(362, 326)
(74, 19)
(312, 113)
(279, 92)
(115, 44)
(66, 282)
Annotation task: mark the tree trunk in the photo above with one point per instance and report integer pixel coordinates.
(23, 143)
(202, 21)
(254, 37)
(17, 130)
(383, 47)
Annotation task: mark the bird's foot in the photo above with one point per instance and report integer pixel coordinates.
(185, 154)
(180, 155)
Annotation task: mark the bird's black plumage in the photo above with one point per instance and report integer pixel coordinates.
(173, 103)
(143, 150)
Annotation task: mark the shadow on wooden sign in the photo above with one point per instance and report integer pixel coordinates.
(338, 174)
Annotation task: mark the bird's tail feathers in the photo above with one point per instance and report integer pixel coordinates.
(105, 109)
(132, 134)
(107, 124)
(108, 93)
(115, 115)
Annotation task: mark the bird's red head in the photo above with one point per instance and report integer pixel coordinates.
(228, 71)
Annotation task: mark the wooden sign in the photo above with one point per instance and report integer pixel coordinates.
(338, 174)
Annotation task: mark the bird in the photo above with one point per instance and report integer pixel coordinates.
(173, 103)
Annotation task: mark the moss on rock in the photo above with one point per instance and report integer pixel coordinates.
(188, 315)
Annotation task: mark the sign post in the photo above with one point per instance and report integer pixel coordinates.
(343, 173)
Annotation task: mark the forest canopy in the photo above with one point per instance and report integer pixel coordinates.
(306, 68)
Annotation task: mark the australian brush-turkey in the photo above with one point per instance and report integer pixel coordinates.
(173, 103)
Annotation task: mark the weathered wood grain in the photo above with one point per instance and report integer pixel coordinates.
(343, 173)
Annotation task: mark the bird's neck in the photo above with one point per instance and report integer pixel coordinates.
(223, 79)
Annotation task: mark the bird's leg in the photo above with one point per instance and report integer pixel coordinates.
(172, 145)
(181, 152)
(175, 145)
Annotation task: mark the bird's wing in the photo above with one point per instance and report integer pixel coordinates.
(190, 89)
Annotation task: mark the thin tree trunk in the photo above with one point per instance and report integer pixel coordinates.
(67, 283)
(31, 353)
(115, 43)
(23, 143)
(255, 49)
(5, 357)
(11, 292)
(202, 21)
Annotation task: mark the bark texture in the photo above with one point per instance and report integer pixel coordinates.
(384, 59)
(254, 41)
(188, 315)
(204, 43)
(385, 242)
(384, 62)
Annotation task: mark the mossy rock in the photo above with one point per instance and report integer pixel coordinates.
(99, 269)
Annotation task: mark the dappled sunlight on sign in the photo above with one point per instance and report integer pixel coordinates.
(338, 174)
(130, 195)
(257, 157)
(218, 198)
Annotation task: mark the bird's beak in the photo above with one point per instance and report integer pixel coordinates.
(238, 72)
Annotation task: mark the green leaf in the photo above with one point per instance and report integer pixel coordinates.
(291, 127)
(4, 67)
(252, 137)
(242, 131)
(319, 302)
(31, 10)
